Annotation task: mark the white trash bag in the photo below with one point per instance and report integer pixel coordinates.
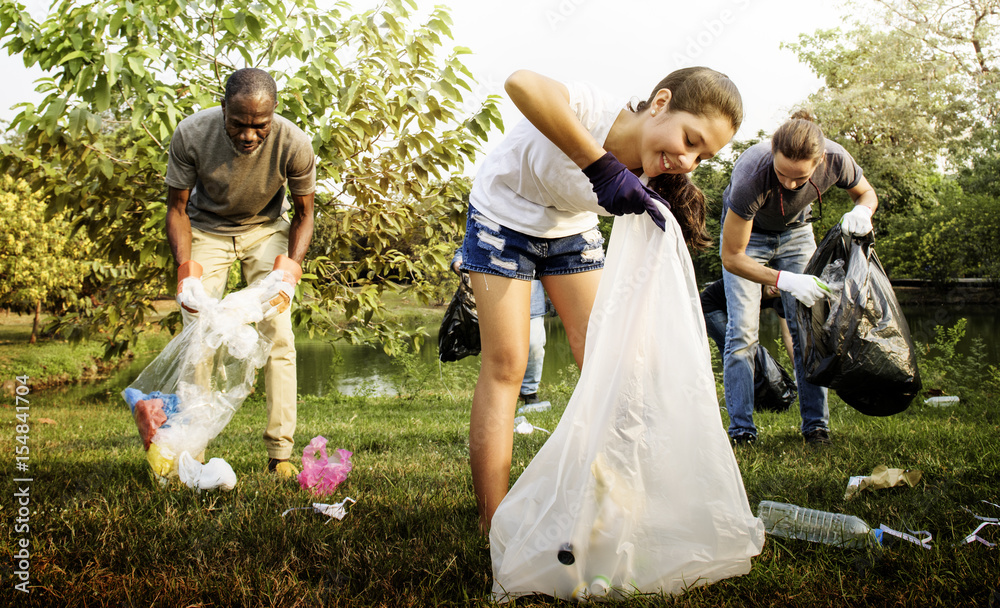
(189, 393)
(637, 489)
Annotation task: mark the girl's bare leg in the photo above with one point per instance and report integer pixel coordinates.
(573, 296)
(503, 306)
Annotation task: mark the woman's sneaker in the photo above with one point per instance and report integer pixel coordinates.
(818, 437)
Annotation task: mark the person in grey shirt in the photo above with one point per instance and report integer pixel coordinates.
(227, 176)
(767, 208)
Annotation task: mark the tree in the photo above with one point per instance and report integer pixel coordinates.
(913, 95)
(913, 90)
(41, 261)
(964, 33)
(894, 107)
(375, 90)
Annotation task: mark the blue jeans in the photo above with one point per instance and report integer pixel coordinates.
(715, 325)
(536, 356)
(492, 248)
(789, 250)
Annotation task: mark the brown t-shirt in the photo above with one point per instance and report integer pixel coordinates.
(232, 193)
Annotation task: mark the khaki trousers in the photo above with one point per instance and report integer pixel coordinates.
(256, 251)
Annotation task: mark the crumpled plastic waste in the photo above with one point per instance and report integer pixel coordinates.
(921, 538)
(523, 427)
(318, 473)
(189, 393)
(215, 474)
(986, 522)
(335, 511)
(150, 411)
(880, 478)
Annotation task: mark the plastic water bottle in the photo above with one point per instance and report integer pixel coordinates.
(541, 406)
(790, 521)
(941, 401)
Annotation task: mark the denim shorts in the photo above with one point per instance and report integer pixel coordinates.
(491, 248)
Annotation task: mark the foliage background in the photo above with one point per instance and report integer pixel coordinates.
(379, 92)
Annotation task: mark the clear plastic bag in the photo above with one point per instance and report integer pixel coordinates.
(637, 490)
(189, 393)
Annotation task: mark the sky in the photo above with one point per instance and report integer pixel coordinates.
(622, 46)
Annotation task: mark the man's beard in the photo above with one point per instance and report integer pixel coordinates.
(241, 152)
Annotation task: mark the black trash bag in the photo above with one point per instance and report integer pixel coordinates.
(773, 389)
(857, 341)
(459, 333)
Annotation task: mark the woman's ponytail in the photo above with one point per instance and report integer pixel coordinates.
(687, 204)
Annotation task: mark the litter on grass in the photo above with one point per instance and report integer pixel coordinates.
(319, 474)
(189, 393)
(523, 427)
(985, 523)
(941, 401)
(216, 474)
(880, 478)
(335, 511)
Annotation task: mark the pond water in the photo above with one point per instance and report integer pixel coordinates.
(362, 368)
(351, 369)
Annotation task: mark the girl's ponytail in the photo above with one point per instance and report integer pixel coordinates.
(687, 204)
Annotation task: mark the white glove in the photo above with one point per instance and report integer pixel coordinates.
(804, 287)
(281, 283)
(857, 221)
(279, 296)
(191, 294)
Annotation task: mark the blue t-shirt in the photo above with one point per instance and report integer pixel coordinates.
(755, 194)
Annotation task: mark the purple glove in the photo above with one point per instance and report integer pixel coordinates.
(619, 191)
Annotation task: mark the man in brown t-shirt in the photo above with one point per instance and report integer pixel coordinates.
(228, 170)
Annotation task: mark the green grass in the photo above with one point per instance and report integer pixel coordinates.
(104, 534)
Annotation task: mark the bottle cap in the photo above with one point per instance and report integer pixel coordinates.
(600, 586)
(565, 554)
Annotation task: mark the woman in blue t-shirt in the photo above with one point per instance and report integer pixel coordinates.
(767, 209)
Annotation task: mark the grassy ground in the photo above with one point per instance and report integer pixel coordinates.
(102, 533)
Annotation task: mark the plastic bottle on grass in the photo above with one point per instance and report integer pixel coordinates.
(790, 521)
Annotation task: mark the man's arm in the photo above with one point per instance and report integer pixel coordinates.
(301, 231)
(735, 238)
(179, 224)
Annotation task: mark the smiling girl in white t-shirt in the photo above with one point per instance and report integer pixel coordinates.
(533, 214)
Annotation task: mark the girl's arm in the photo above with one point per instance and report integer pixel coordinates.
(863, 194)
(735, 238)
(545, 103)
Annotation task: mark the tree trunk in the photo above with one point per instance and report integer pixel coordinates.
(34, 327)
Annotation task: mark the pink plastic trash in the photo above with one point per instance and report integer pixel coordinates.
(318, 473)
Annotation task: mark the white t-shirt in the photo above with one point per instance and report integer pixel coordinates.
(530, 185)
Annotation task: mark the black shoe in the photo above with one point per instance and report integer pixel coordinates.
(745, 438)
(818, 437)
(529, 399)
